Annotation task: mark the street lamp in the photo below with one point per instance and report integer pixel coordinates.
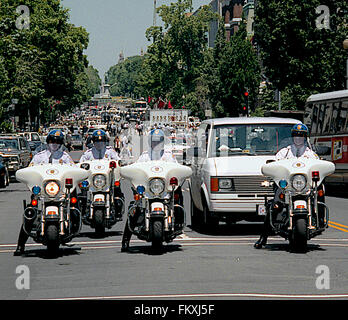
(345, 46)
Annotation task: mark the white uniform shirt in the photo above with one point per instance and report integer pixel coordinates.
(59, 157)
(291, 152)
(166, 156)
(93, 154)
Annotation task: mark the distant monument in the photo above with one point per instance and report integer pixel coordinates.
(121, 57)
(104, 91)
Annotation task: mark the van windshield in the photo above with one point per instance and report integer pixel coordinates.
(249, 139)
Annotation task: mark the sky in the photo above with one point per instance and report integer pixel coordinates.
(115, 26)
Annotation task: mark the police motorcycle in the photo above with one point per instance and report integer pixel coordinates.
(297, 214)
(103, 201)
(155, 214)
(52, 217)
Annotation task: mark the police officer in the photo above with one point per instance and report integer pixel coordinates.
(156, 152)
(298, 148)
(53, 154)
(99, 149)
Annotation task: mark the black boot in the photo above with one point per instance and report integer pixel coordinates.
(125, 245)
(261, 242)
(22, 239)
(127, 234)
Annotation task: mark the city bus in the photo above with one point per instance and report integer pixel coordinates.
(326, 118)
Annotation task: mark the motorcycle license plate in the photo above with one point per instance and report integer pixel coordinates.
(261, 210)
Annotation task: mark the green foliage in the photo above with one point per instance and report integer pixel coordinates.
(232, 69)
(299, 58)
(124, 77)
(43, 63)
(93, 81)
(174, 62)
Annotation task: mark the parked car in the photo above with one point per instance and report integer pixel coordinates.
(16, 150)
(77, 141)
(4, 174)
(33, 139)
(227, 183)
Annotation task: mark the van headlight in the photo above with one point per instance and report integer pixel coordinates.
(52, 188)
(156, 186)
(299, 182)
(99, 181)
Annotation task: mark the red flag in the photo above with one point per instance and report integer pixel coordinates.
(149, 99)
(169, 105)
(160, 104)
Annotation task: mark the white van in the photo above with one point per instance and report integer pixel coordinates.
(227, 183)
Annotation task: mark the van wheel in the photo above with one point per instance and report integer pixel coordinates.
(196, 216)
(210, 222)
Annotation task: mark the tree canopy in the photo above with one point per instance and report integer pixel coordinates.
(42, 57)
(301, 54)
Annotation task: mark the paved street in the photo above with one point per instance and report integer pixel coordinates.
(222, 265)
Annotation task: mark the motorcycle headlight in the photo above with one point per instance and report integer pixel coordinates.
(156, 186)
(299, 182)
(52, 188)
(99, 180)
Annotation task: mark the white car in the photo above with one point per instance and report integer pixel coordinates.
(227, 183)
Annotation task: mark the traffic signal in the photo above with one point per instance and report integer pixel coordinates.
(245, 106)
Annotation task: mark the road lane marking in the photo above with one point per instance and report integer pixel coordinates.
(210, 295)
(337, 225)
(183, 244)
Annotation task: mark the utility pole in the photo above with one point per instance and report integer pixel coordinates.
(154, 13)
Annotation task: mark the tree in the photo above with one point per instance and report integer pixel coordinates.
(299, 57)
(124, 77)
(175, 59)
(43, 62)
(93, 81)
(232, 69)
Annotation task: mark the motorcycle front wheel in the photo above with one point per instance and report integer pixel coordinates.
(99, 221)
(52, 236)
(157, 234)
(298, 240)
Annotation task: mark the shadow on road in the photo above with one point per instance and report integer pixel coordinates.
(44, 254)
(286, 247)
(148, 250)
(94, 235)
(238, 229)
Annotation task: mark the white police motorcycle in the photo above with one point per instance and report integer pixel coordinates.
(297, 214)
(155, 214)
(52, 217)
(101, 199)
